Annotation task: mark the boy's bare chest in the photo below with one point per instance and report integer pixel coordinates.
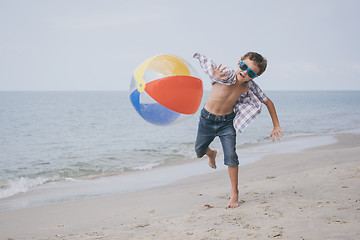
(235, 90)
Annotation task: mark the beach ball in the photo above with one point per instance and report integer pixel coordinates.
(165, 90)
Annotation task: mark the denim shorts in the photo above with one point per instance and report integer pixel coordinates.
(210, 126)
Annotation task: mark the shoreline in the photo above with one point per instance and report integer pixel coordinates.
(311, 194)
(75, 190)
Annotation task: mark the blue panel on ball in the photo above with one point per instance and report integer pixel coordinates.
(135, 100)
(157, 114)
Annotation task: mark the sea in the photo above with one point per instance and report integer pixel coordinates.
(59, 146)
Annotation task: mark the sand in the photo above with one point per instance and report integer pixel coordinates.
(314, 194)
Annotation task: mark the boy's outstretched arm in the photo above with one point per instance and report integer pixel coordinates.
(277, 130)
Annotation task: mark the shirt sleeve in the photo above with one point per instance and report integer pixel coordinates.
(258, 92)
(248, 106)
(206, 63)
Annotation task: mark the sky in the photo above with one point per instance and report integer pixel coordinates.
(87, 45)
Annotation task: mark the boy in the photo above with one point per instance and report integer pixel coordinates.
(234, 101)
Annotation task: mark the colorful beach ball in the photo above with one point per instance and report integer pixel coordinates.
(165, 90)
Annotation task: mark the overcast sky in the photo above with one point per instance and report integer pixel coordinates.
(96, 45)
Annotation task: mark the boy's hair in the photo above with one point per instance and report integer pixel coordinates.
(259, 60)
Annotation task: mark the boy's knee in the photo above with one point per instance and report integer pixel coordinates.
(232, 160)
(232, 163)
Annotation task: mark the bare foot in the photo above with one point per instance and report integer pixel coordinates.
(234, 201)
(212, 155)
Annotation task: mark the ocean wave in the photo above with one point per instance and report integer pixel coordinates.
(20, 185)
(12, 187)
(146, 166)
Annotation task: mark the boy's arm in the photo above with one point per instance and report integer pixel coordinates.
(224, 75)
(277, 130)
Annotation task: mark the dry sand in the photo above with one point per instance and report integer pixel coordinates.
(314, 194)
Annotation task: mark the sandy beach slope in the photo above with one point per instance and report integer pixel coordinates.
(314, 194)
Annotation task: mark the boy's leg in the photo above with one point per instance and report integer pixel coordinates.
(228, 142)
(234, 174)
(204, 137)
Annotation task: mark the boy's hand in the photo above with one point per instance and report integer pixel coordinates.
(219, 72)
(276, 133)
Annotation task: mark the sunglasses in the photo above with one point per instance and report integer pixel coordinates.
(250, 72)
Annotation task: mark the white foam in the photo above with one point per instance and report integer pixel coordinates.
(20, 185)
(146, 166)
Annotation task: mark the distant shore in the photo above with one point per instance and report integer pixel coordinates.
(313, 194)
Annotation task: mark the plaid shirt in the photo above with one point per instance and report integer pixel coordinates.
(248, 105)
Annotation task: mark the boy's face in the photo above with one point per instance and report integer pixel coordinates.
(242, 75)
